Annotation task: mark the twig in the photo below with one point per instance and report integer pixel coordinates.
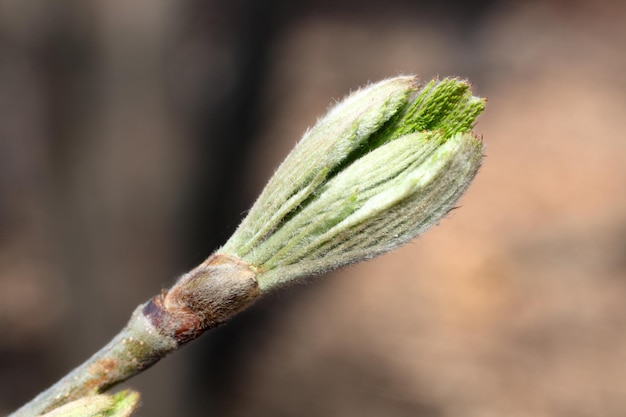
(202, 299)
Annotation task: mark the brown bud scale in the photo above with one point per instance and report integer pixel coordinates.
(203, 298)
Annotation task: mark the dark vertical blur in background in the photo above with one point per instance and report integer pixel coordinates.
(133, 136)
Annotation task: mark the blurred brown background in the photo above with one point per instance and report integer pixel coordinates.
(133, 136)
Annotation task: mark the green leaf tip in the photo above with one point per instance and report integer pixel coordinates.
(124, 404)
(382, 166)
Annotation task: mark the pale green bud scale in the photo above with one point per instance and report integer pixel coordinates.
(383, 165)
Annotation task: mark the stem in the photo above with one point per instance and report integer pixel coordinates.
(202, 299)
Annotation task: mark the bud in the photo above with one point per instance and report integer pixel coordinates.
(379, 169)
(121, 404)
